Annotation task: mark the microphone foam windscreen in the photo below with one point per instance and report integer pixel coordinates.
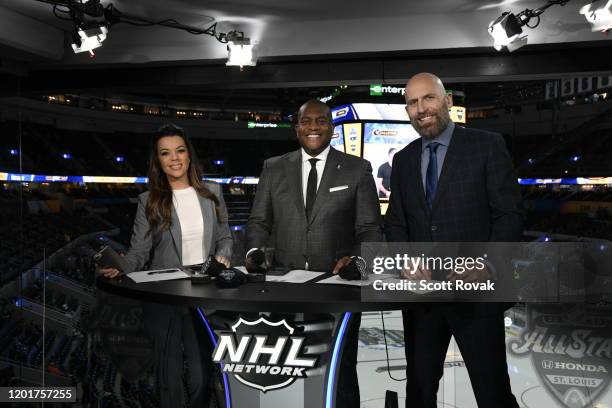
(256, 262)
(350, 272)
(258, 256)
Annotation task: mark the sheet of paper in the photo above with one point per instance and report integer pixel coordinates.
(157, 275)
(242, 269)
(337, 280)
(295, 276)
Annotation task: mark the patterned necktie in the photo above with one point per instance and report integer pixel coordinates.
(431, 179)
(311, 187)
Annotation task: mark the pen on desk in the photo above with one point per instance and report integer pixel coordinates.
(159, 272)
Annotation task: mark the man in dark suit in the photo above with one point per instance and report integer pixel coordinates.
(315, 206)
(452, 185)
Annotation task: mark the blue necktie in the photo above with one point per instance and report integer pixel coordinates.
(431, 178)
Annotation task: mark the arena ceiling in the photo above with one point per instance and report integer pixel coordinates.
(305, 48)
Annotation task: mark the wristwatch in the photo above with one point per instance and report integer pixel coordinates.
(361, 265)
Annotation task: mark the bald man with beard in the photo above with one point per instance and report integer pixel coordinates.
(453, 185)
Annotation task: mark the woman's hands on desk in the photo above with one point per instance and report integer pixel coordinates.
(223, 260)
(109, 272)
(114, 272)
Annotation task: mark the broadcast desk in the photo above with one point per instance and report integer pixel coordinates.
(316, 315)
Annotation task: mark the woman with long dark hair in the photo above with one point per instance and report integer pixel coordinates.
(180, 221)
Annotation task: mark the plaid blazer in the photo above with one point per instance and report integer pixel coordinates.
(477, 198)
(345, 213)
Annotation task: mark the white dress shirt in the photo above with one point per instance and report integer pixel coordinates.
(306, 169)
(187, 206)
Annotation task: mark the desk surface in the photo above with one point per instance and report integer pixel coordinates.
(254, 297)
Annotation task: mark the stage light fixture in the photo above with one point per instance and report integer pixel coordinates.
(506, 30)
(599, 14)
(88, 40)
(240, 55)
(240, 50)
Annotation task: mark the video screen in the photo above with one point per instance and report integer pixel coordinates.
(380, 142)
(337, 141)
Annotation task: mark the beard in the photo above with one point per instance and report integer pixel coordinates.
(433, 130)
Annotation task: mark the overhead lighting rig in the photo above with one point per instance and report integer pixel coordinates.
(92, 22)
(506, 30)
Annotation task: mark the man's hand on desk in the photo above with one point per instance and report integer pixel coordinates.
(471, 275)
(342, 262)
(416, 273)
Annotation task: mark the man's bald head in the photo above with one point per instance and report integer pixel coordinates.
(427, 104)
(315, 127)
(427, 79)
(315, 103)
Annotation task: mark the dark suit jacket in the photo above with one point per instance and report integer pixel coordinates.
(477, 199)
(166, 245)
(340, 221)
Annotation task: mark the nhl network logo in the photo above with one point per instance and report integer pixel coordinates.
(262, 354)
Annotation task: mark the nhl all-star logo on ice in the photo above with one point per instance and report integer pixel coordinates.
(263, 354)
(574, 360)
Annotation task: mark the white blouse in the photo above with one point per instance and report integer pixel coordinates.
(187, 206)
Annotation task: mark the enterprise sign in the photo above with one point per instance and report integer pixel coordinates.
(379, 90)
(265, 125)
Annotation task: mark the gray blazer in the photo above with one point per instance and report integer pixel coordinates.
(166, 245)
(341, 219)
